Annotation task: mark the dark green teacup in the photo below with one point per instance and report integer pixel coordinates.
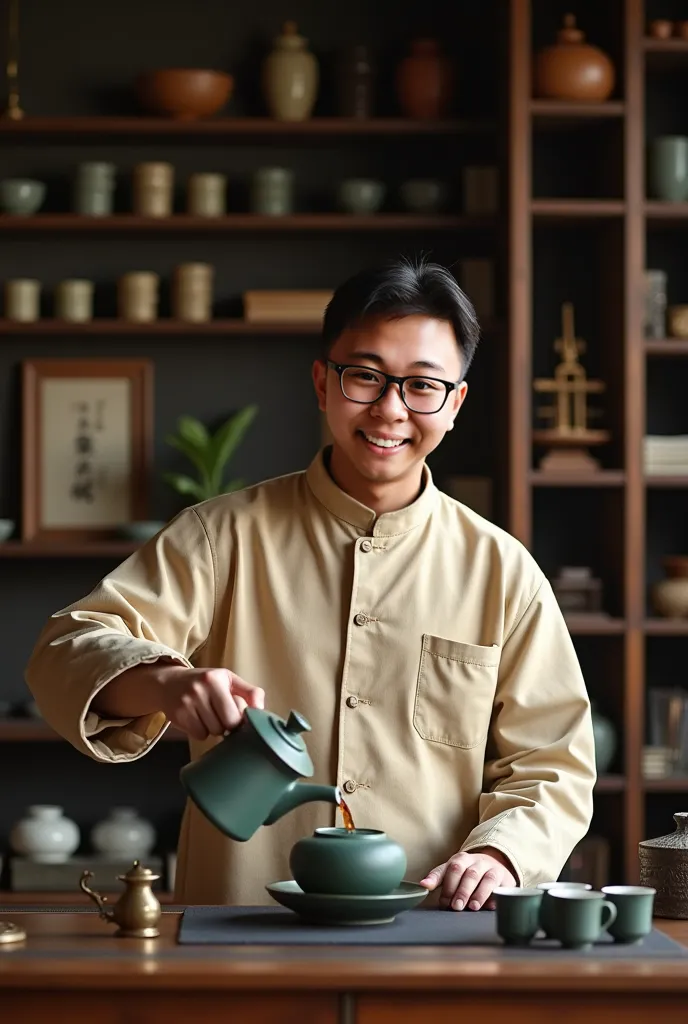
(546, 908)
(518, 914)
(578, 917)
(634, 905)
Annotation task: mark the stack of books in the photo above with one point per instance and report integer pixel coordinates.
(292, 306)
(665, 455)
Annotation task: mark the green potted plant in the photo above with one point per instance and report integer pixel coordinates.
(209, 454)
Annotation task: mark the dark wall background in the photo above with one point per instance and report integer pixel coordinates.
(78, 57)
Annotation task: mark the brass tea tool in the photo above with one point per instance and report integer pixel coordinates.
(137, 911)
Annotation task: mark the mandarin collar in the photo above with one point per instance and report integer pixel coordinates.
(343, 506)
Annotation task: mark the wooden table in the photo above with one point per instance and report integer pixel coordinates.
(72, 969)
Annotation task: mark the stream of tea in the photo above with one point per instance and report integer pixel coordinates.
(346, 815)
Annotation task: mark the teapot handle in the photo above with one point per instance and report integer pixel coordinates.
(99, 900)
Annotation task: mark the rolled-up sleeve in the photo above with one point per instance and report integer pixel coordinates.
(159, 603)
(540, 769)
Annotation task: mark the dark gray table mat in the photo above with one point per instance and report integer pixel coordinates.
(261, 926)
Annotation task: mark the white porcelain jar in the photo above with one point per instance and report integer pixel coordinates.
(23, 300)
(45, 835)
(74, 301)
(123, 834)
(137, 296)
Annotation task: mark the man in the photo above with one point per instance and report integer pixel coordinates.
(423, 643)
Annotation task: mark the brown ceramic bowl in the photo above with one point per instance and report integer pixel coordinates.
(184, 93)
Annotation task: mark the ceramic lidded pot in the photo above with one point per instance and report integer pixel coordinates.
(664, 867)
(123, 834)
(359, 862)
(45, 835)
(21, 196)
(290, 76)
(670, 596)
(572, 69)
(424, 81)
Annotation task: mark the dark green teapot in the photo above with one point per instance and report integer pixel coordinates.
(250, 778)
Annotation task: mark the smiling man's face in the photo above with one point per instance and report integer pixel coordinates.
(408, 345)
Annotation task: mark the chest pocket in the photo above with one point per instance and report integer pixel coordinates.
(455, 691)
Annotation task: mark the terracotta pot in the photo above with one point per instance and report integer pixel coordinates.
(664, 866)
(184, 93)
(572, 69)
(425, 81)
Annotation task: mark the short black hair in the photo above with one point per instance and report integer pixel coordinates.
(402, 288)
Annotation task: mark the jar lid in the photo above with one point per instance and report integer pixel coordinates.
(137, 873)
(284, 738)
(677, 840)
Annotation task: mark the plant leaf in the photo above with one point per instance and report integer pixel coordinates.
(194, 456)
(226, 441)
(194, 432)
(185, 485)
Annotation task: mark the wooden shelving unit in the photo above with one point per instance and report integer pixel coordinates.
(544, 512)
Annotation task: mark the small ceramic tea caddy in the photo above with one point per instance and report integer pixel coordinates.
(137, 911)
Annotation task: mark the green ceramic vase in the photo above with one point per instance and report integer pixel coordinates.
(363, 862)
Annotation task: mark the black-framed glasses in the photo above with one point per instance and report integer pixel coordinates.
(362, 384)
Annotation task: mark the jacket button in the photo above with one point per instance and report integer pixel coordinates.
(360, 619)
(366, 546)
(352, 702)
(349, 786)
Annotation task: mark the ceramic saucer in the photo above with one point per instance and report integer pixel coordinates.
(326, 908)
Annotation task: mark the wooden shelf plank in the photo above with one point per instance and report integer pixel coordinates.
(666, 347)
(652, 45)
(126, 223)
(563, 113)
(666, 627)
(610, 784)
(159, 327)
(221, 127)
(676, 480)
(660, 211)
(34, 730)
(67, 549)
(600, 478)
(671, 784)
(595, 625)
(576, 209)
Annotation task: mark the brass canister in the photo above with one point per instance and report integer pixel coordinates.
(664, 867)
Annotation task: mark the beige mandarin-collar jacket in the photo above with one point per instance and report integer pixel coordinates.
(425, 647)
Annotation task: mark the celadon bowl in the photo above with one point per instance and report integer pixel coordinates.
(361, 862)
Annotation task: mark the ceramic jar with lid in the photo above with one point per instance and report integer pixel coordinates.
(74, 301)
(153, 189)
(192, 292)
(23, 300)
(664, 867)
(123, 834)
(137, 296)
(424, 81)
(572, 69)
(290, 76)
(206, 195)
(94, 188)
(45, 835)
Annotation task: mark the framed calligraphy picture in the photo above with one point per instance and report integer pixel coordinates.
(86, 446)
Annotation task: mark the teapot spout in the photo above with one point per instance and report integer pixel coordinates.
(302, 793)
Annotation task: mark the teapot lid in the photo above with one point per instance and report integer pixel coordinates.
(284, 738)
(137, 873)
